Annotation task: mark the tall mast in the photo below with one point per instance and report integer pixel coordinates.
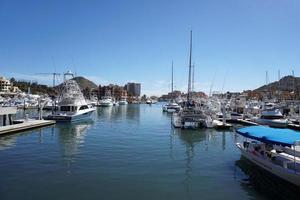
(172, 77)
(190, 68)
(193, 82)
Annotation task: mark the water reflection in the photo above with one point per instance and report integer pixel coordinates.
(266, 183)
(7, 142)
(120, 113)
(71, 136)
(190, 138)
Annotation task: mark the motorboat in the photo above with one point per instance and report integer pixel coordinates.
(272, 118)
(234, 116)
(123, 101)
(275, 150)
(171, 107)
(106, 102)
(72, 105)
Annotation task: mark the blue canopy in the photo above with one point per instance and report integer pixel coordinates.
(285, 137)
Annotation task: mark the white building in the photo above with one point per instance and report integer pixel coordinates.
(6, 86)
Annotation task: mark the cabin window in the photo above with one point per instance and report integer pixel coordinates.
(65, 108)
(272, 117)
(83, 107)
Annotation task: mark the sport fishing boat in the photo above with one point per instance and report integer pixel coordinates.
(275, 150)
(272, 118)
(72, 105)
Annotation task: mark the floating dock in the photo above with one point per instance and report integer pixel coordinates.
(22, 125)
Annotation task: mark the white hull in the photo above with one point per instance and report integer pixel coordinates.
(123, 103)
(71, 116)
(106, 104)
(277, 123)
(284, 173)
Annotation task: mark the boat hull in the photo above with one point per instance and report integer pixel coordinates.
(272, 123)
(70, 118)
(287, 175)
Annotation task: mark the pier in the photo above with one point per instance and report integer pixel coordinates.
(21, 124)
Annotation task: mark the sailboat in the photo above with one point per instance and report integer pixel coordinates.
(190, 116)
(172, 106)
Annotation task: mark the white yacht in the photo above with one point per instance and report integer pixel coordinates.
(275, 150)
(71, 104)
(273, 118)
(171, 107)
(123, 101)
(106, 102)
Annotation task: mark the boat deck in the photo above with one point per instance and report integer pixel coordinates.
(22, 125)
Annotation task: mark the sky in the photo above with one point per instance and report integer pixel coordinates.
(118, 41)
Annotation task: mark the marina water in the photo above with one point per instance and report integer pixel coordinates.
(130, 152)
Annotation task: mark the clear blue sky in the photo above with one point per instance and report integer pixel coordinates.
(112, 41)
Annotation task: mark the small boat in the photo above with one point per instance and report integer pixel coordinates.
(106, 102)
(72, 105)
(149, 101)
(272, 118)
(171, 107)
(234, 116)
(275, 150)
(123, 101)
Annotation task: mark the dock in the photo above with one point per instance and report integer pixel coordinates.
(23, 125)
(243, 122)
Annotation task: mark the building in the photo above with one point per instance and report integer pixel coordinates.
(5, 85)
(133, 89)
(112, 90)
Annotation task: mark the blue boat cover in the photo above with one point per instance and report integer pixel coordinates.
(285, 137)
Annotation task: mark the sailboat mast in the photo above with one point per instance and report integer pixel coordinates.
(193, 82)
(190, 69)
(172, 77)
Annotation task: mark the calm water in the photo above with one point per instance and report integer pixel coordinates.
(129, 152)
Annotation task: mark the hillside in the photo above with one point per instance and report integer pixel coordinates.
(285, 84)
(84, 83)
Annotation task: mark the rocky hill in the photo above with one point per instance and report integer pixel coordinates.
(287, 83)
(84, 83)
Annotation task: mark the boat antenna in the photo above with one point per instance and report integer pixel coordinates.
(190, 67)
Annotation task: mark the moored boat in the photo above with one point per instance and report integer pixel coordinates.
(275, 150)
(71, 104)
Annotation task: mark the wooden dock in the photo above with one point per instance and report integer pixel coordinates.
(23, 125)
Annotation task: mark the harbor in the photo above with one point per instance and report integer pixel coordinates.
(134, 144)
(149, 100)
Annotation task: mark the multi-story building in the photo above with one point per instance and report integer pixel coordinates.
(133, 89)
(5, 85)
(112, 90)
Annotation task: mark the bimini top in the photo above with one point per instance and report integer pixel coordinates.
(285, 137)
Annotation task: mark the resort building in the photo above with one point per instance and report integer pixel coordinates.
(7, 86)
